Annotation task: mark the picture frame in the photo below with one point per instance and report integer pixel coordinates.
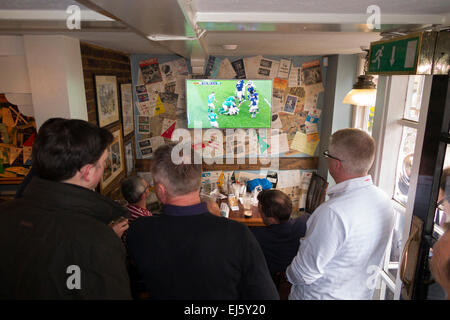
(126, 95)
(115, 163)
(129, 156)
(107, 99)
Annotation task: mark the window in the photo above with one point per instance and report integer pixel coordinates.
(404, 164)
(399, 124)
(413, 98)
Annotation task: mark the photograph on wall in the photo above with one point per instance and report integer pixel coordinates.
(114, 163)
(167, 72)
(145, 146)
(150, 71)
(107, 100)
(145, 143)
(295, 77)
(311, 73)
(129, 156)
(283, 69)
(279, 88)
(143, 124)
(239, 68)
(291, 102)
(127, 108)
(267, 68)
(209, 65)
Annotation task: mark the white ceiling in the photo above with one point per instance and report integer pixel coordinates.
(324, 6)
(266, 27)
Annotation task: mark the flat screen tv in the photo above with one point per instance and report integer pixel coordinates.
(236, 103)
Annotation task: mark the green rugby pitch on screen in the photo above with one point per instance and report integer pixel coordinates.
(225, 109)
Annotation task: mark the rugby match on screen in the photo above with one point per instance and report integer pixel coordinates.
(236, 103)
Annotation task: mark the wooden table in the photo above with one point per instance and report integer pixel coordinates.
(254, 220)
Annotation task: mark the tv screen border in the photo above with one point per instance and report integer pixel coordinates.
(233, 128)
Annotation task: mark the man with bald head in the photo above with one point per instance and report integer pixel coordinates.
(347, 235)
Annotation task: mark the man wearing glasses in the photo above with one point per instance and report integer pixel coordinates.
(136, 191)
(347, 235)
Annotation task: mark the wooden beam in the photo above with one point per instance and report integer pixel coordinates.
(303, 163)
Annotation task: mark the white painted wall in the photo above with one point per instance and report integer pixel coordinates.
(56, 77)
(14, 80)
(43, 76)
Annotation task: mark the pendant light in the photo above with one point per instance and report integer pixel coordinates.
(364, 90)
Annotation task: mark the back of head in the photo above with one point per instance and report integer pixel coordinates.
(355, 148)
(63, 146)
(179, 179)
(132, 189)
(275, 204)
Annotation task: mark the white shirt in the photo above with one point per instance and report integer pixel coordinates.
(345, 240)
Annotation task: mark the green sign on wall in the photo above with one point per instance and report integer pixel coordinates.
(395, 56)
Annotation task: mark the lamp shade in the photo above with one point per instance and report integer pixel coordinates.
(361, 97)
(363, 93)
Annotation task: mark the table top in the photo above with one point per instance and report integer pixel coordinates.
(254, 220)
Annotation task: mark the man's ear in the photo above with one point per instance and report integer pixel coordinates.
(85, 172)
(161, 192)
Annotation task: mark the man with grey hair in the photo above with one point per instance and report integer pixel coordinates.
(189, 253)
(347, 235)
(136, 190)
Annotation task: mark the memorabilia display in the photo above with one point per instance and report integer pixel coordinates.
(127, 108)
(107, 100)
(115, 161)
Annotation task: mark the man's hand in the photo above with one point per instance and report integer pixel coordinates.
(213, 207)
(120, 227)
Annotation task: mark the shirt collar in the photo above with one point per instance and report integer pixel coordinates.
(179, 211)
(137, 208)
(349, 185)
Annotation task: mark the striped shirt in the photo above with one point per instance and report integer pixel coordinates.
(136, 212)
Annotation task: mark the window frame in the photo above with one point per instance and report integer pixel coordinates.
(387, 131)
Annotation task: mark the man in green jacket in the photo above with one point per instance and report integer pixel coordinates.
(56, 242)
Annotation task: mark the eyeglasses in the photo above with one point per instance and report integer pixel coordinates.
(145, 190)
(328, 155)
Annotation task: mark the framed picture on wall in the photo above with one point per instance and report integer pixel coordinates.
(107, 100)
(127, 108)
(129, 156)
(115, 163)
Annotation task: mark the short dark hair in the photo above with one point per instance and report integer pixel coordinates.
(64, 146)
(132, 188)
(179, 179)
(275, 204)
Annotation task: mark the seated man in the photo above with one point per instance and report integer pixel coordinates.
(56, 242)
(280, 238)
(188, 253)
(136, 191)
